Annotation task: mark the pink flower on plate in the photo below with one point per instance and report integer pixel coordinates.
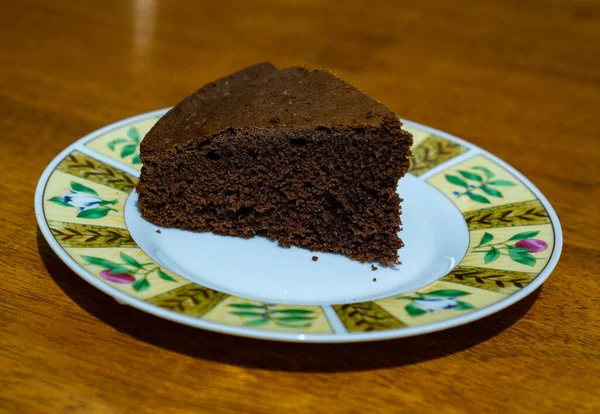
(117, 277)
(534, 245)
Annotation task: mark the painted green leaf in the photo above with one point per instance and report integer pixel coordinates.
(501, 183)
(165, 276)
(478, 198)
(485, 239)
(294, 325)
(105, 264)
(470, 175)
(296, 311)
(492, 191)
(141, 285)
(133, 134)
(120, 269)
(492, 255)
(464, 305)
(519, 249)
(446, 293)
(245, 306)
(524, 235)
(115, 142)
(256, 322)
(107, 202)
(130, 260)
(136, 159)
(100, 262)
(484, 170)
(82, 188)
(522, 257)
(128, 150)
(413, 310)
(453, 179)
(59, 201)
(294, 318)
(246, 313)
(93, 213)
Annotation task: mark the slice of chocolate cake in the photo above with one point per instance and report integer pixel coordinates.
(296, 155)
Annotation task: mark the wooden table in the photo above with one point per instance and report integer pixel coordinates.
(521, 79)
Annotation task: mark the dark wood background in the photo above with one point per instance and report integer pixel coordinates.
(519, 78)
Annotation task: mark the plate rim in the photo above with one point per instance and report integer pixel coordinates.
(334, 337)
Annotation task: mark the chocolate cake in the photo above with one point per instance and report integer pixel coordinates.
(296, 155)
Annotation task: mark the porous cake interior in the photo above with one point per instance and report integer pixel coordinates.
(296, 155)
(325, 189)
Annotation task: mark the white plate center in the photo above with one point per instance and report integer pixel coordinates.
(435, 235)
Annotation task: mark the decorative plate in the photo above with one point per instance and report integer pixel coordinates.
(479, 237)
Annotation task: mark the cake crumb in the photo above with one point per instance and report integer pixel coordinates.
(315, 258)
(374, 279)
(373, 267)
(158, 231)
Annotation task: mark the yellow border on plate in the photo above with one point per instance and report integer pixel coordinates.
(497, 205)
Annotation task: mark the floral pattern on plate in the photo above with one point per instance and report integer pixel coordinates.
(86, 200)
(435, 301)
(524, 249)
(129, 270)
(479, 183)
(439, 301)
(75, 200)
(123, 144)
(270, 316)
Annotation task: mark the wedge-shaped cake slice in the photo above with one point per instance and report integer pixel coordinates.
(296, 155)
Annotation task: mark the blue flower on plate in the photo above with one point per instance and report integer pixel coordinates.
(80, 200)
(86, 200)
(434, 305)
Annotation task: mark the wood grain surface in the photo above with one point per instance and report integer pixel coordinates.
(519, 78)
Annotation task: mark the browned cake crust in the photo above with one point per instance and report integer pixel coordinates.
(296, 155)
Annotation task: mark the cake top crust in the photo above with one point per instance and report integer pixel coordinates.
(263, 96)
